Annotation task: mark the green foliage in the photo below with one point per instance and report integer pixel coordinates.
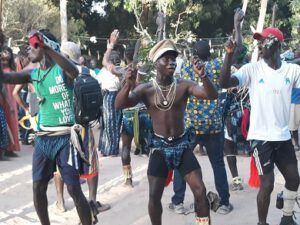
(77, 30)
(20, 16)
(186, 19)
(295, 21)
(145, 64)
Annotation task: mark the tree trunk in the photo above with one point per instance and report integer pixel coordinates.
(260, 26)
(1, 4)
(245, 4)
(63, 20)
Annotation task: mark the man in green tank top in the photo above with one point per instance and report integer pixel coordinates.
(57, 110)
(53, 82)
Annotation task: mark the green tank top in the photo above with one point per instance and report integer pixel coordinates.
(56, 105)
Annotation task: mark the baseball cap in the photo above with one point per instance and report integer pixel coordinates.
(72, 50)
(267, 32)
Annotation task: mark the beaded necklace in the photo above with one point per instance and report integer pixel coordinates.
(162, 102)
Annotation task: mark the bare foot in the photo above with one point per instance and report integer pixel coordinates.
(60, 207)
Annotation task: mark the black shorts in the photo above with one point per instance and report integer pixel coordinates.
(266, 153)
(158, 167)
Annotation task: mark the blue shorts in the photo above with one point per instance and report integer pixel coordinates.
(145, 123)
(50, 152)
(4, 140)
(174, 154)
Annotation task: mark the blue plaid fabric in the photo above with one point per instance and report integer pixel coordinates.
(145, 123)
(233, 118)
(51, 145)
(4, 141)
(112, 119)
(172, 151)
(204, 115)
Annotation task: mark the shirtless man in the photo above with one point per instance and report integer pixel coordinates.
(165, 99)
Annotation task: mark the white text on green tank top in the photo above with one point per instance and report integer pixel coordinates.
(65, 105)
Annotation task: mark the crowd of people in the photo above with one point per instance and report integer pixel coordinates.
(216, 103)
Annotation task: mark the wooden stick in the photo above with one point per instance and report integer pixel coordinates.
(275, 8)
(136, 53)
(1, 7)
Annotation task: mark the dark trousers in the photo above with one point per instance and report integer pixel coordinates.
(179, 186)
(214, 147)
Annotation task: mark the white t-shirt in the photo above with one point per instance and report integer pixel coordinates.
(108, 80)
(270, 97)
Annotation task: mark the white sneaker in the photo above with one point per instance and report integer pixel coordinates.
(224, 209)
(179, 209)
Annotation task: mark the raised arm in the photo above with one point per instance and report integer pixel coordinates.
(50, 48)
(114, 36)
(68, 67)
(238, 39)
(226, 81)
(21, 77)
(124, 98)
(208, 90)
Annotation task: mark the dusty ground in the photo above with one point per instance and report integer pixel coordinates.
(129, 205)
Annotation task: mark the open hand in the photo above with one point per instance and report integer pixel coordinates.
(114, 36)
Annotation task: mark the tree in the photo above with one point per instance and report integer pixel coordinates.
(185, 18)
(20, 16)
(295, 21)
(63, 20)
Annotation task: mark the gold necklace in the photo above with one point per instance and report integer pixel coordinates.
(161, 102)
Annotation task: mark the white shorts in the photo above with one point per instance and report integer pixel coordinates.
(294, 121)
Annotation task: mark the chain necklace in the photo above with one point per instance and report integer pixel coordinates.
(161, 102)
(41, 78)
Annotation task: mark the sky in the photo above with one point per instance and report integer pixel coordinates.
(99, 7)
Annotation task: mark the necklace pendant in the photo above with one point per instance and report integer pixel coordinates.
(165, 102)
